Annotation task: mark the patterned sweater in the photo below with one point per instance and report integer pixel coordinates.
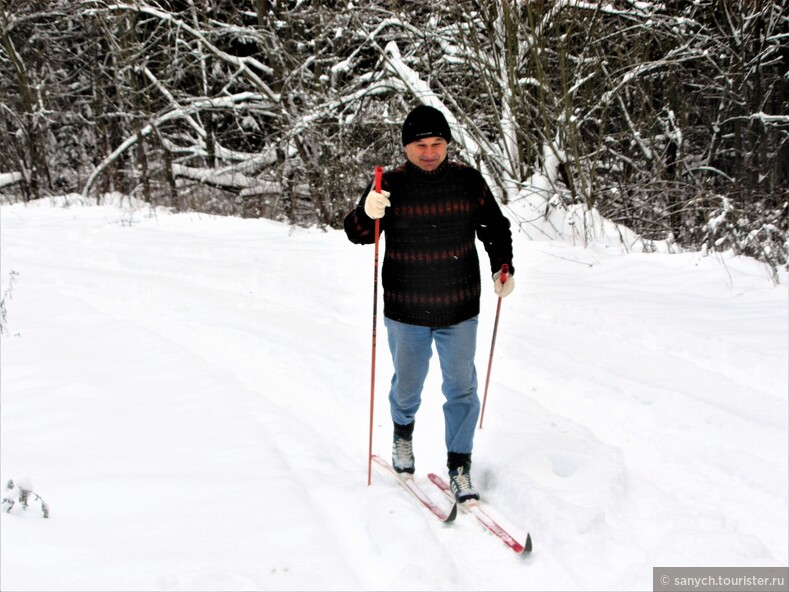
(430, 269)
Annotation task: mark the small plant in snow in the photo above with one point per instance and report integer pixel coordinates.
(22, 494)
(5, 297)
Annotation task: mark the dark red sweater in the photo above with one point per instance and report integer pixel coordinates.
(430, 269)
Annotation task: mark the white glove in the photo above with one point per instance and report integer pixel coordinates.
(375, 204)
(504, 289)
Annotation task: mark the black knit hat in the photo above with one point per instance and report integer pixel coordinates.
(425, 122)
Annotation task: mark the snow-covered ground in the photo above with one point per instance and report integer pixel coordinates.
(190, 396)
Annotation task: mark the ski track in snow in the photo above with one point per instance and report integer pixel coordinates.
(190, 395)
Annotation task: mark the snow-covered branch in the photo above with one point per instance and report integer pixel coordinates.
(178, 113)
(10, 178)
(251, 67)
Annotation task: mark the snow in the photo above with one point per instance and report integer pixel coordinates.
(190, 396)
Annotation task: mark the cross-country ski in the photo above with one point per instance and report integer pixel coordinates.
(477, 509)
(409, 483)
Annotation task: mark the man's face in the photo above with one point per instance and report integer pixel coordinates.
(427, 153)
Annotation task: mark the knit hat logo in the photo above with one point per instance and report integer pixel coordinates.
(425, 122)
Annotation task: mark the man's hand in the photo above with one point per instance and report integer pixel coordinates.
(376, 203)
(504, 289)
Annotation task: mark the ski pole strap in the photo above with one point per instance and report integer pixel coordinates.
(505, 270)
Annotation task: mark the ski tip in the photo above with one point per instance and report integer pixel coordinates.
(527, 547)
(452, 514)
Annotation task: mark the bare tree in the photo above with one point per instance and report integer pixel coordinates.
(668, 117)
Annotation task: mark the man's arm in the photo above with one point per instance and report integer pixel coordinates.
(493, 229)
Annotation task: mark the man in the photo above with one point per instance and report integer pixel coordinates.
(431, 209)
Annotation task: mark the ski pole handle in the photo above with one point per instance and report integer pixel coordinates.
(505, 270)
(379, 172)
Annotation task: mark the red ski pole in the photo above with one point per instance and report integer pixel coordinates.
(379, 171)
(503, 277)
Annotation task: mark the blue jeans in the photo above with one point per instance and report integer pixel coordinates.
(411, 348)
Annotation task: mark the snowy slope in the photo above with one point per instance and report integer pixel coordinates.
(190, 395)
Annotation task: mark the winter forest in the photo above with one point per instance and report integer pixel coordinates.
(670, 118)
